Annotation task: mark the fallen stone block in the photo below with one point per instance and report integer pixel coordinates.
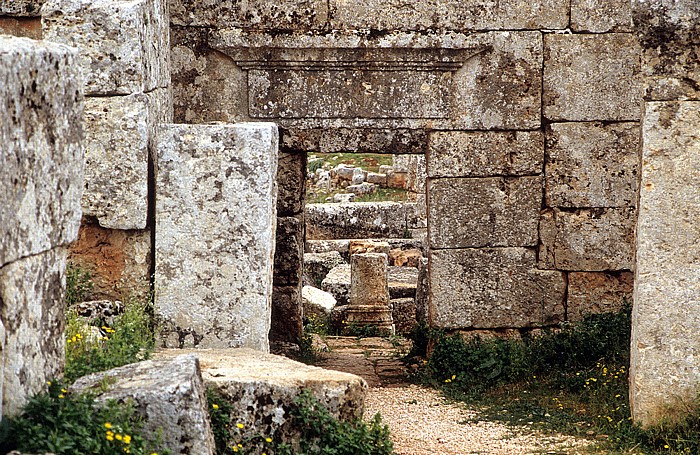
(358, 220)
(317, 303)
(168, 393)
(317, 266)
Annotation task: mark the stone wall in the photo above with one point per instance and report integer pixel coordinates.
(664, 371)
(527, 114)
(40, 187)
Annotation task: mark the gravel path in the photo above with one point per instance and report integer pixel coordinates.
(422, 422)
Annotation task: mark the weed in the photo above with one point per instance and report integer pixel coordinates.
(78, 284)
(360, 331)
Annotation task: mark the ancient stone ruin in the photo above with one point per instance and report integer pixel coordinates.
(555, 167)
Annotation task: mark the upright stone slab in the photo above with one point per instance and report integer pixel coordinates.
(665, 365)
(215, 234)
(369, 292)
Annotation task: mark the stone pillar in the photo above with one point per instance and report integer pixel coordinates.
(41, 178)
(369, 292)
(215, 234)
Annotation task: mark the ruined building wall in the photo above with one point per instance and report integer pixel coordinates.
(527, 113)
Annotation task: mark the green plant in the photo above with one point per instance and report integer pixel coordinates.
(354, 329)
(78, 284)
(90, 349)
(63, 422)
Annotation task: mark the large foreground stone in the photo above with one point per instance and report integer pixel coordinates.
(261, 389)
(356, 220)
(215, 234)
(32, 303)
(41, 151)
(493, 288)
(665, 372)
(168, 394)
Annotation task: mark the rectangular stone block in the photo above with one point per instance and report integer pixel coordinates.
(355, 220)
(597, 292)
(287, 309)
(288, 15)
(485, 154)
(591, 77)
(291, 178)
(665, 345)
(592, 164)
(118, 130)
(466, 213)
(601, 16)
(358, 140)
(26, 8)
(289, 250)
(501, 88)
(587, 239)
(27, 27)
(124, 46)
(669, 34)
(41, 147)
(32, 305)
(415, 180)
(452, 14)
(215, 234)
(493, 288)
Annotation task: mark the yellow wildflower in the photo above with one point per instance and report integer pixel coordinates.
(108, 425)
(127, 439)
(268, 440)
(239, 425)
(61, 396)
(215, 406)
(118, 436)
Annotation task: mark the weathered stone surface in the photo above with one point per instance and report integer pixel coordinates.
(124, 46)
(591, 77)
(356, 220)
(592, 165)
(669, 34)
(422, 283)
(587, 239)
(170, 396)
(291, 175)
(417, 212)
(119, 261)
(415, 180)
(665, 346)
(403, 312)
(40, 147)
(32, 303)
(287, 313)
(337, 283)
(493, 288)
(215, 231)
(317, 303)
(368, 279)
(359, 140)
(451, 15)
(21, 27)
(484, 212)
(21, 7)
(402, 282)
(485, 154)
(342, 246)
(600, 16)
(368, 246)
(289, 15)
(289, 251)
(597, 292)
(261, 389)
(317, 266)
(405, 258)
(501, 88)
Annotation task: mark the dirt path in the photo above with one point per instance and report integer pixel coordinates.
(422, 422)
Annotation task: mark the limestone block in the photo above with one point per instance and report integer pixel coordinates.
(337, 283)
(591, 77)
(356, 220)
(422, 283)
(124, 46)
(669, 34)
(402, 282)
(592, 165)
(31, 8)
(117, 134)
(170, 396)
(485, 154)
(396, 179)
(368, 279)
(289, 251)
(376, 178)
(215, 233)
(359, 140)
(403, 313)
(21, 27)
(40, 147)
(600, 16)
(597, 292)
(261, 389)
(587, 239)
(451, 15)
(501, 88)
(342, 246)
(287, 313)
(465, 212)
(492, 288)
(317, 303)
(289, 15)
(368, 246)
(317, 266)
(119, 261)
(665, 346)
(405, 258)
(417, 212)
(415, 180)
(32, 304)
(291, 175)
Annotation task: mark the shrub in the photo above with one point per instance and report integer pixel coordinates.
(78, 284)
